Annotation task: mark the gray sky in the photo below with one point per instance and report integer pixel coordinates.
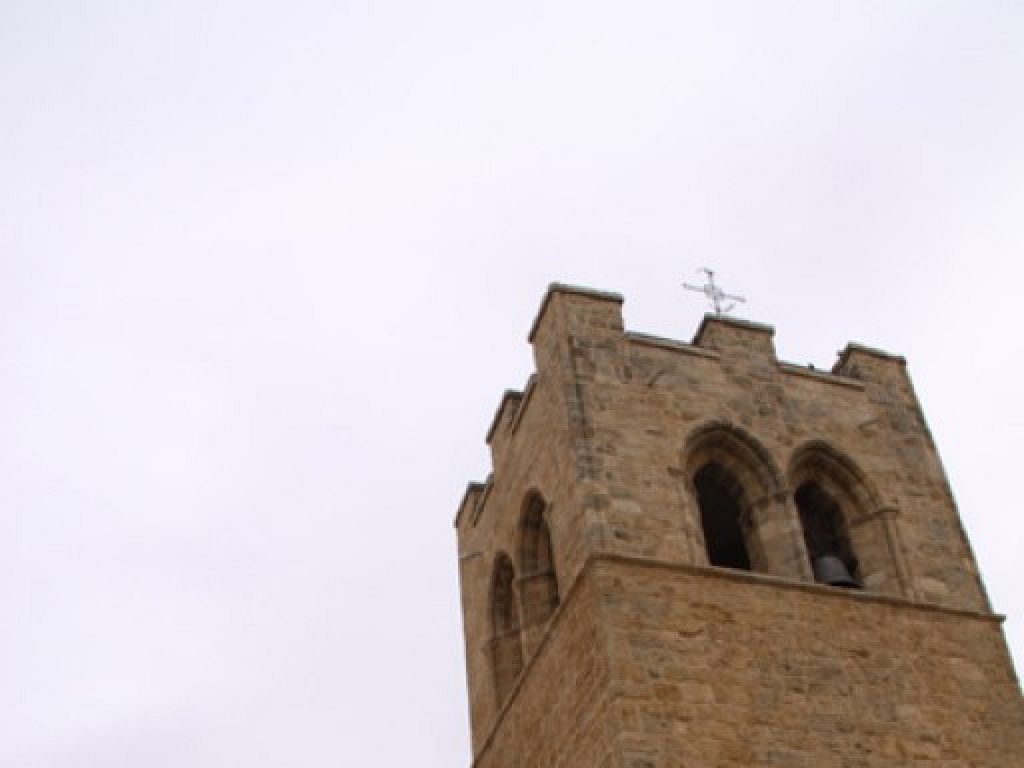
(265, 270)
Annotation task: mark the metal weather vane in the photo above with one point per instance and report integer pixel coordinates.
(715, 295)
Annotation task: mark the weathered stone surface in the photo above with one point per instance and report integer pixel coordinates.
(616, 643)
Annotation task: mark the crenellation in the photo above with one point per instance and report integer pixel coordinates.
(498, 436)
(735, 338)
(471, 502)
(658, 521)
(647, 340)
(822, 376)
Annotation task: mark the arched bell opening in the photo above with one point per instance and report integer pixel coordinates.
(506, 643)
(737, 500)
(828, 544)
(837, 501)
(538, 583)
(720, 498)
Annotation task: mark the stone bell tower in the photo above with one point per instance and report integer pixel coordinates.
(696, 555)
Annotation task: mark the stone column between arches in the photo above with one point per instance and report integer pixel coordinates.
(776, 529)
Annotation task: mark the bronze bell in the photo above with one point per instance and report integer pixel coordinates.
(831, 570)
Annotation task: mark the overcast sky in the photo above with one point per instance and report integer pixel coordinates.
(266, 269)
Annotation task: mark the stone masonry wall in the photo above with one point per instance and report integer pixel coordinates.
(540, 443)
(488, 522)
(561, 714)
(653, 658)
(646, 400)
(718, 669)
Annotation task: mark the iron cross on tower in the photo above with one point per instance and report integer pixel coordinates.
(715, 295)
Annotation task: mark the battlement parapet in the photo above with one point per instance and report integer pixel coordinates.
(555, 289)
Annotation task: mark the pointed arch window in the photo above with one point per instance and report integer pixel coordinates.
(738, 500)
(844, 521)
(720, 498)
(506, 644)
(538, 582)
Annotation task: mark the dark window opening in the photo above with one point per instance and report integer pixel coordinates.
(506, 645)
(504, 613)
(720, 513)
(539, 585)
(536, 548)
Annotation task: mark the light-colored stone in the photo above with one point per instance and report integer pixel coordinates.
(632, 651)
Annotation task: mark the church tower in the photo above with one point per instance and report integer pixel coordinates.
(694, 555)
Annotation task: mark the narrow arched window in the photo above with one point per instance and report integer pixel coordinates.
(538, 583)
(506, 644)
(828, 542)
(736, 500)
(844, 520)
(721, 502)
